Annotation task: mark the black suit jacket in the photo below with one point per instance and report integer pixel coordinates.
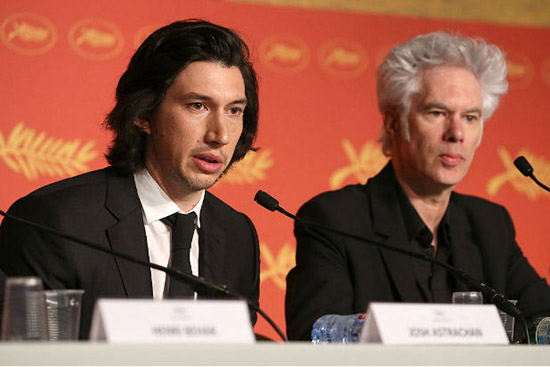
(337, 275)
(103, 207)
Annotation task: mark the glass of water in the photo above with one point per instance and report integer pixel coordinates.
(468, 298)
(24, 314)
(63, 308)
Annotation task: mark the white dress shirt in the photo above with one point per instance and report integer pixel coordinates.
(155, 205)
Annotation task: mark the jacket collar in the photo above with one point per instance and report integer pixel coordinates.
(127, 235)
(212, 246)
(389, 227)
(465, 252)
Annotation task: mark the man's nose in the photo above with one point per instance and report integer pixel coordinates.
(454, 131)
(217, 132)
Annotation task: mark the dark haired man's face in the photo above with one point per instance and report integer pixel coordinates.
(192, 136)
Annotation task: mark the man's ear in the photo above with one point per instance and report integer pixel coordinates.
(391, 124)
(143, 125)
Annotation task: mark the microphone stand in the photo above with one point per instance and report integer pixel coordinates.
(499, 300)
(198, 284)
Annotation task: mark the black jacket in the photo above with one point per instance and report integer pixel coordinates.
(337, 275)
(103, 207)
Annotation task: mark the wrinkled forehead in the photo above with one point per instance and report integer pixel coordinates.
(449, 82)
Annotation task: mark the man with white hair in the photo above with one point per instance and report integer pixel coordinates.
(434, 93)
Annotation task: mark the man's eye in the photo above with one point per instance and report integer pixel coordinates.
(436, 113)
(471, 118)
(196, 105)
(235, 110)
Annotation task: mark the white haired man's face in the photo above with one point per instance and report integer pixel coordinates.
(445, 125)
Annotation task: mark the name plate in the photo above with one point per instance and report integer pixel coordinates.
(171, 321)
(412, 323)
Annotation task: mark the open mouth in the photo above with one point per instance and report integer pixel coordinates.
(209, 159)
(208, 163)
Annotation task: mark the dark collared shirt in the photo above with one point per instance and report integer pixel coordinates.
(434, 283)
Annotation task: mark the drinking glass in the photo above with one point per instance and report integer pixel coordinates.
(508, 322)
(24, 314)
(63, 308)
(467, 298)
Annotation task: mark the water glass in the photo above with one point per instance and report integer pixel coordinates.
(63, 308)
(508, 322)
(467, 298)
(24, 313)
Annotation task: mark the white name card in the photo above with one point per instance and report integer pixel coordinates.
(412, 323)
(171, 321)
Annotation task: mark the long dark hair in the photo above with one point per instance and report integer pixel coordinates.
(153, 69)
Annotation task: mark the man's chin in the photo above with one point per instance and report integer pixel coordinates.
(204, 183)
(449, 181)
(452, 175)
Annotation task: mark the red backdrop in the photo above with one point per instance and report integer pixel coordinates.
(60, 61)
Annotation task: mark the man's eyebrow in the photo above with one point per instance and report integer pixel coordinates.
(194, 95)
(474, 110)
(240, 101)
(440, 106)
(203, 97)
(443, 107)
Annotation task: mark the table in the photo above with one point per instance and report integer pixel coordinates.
(268, 353)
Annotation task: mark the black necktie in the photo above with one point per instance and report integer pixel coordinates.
(183, 228)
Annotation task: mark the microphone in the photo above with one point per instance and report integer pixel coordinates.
(499, 300)
(198, 284)
(271, 204)
(523, 165)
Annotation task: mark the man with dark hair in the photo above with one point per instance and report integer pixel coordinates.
(434, 94)
(187, 108)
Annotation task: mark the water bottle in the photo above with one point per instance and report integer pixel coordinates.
(542, 333)
(337, 329)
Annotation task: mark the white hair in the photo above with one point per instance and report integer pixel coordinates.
(398, 79)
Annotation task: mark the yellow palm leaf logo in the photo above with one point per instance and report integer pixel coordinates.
(95, 38)
(32, 154)
(366, 164)
(28, 32)
(277, 265)
(250, 169)
(284, 53)
(344, 57)
(520, 183)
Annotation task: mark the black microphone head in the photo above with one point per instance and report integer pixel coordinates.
(523, 166)
(266, 200)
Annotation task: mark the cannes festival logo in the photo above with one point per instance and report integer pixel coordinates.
(28, 33)
(96, 39)
(284, 54)
(343, 58)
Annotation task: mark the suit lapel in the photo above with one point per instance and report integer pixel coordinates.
(128, 235)
(388, 225)
(465, 253)
(211, 244)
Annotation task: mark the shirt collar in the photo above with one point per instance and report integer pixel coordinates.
(155, 202)
(415, 226)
